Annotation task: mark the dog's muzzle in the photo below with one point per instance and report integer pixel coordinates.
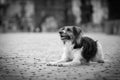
(64, 36)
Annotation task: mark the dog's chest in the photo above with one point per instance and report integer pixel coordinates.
(68, 46)
(70, 51)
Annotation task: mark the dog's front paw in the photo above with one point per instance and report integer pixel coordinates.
(60, 65)
(69, 64)
(52, 64)
(55, 64)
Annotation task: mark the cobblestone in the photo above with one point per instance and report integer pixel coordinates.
(22, 57)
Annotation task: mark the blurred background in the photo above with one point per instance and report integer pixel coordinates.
(50, 15)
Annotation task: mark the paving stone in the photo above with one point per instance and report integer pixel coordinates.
(23, 57)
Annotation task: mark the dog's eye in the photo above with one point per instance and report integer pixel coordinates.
(69, 30)
(62, 28)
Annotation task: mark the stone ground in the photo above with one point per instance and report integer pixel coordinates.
(22, 57)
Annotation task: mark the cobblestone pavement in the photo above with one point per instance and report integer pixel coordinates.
(22, 57)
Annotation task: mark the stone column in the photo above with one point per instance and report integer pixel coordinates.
(100, 12)
(76, 11)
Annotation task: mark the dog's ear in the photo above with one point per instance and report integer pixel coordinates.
(78, 33)
(77, 30)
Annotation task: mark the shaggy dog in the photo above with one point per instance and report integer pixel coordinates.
(78, 49)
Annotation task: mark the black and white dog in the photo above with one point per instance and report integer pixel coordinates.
(78, 49)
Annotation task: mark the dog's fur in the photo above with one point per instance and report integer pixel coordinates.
(78, 49)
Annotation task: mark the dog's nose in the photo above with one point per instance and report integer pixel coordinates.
(60, 32)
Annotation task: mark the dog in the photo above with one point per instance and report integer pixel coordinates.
(78, 49)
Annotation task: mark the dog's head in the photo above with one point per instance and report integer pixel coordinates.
(70, 33)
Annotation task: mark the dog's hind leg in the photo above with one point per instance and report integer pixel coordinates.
(99, 55)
